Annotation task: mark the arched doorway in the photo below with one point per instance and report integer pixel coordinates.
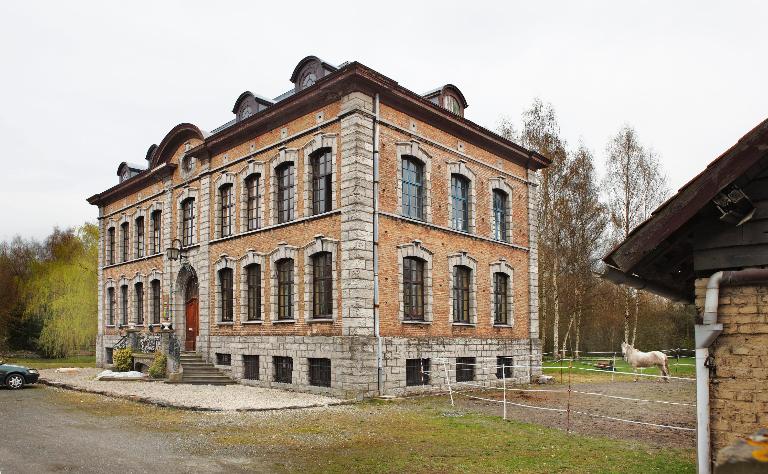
(192, 313)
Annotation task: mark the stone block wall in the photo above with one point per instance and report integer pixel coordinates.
(739, 386)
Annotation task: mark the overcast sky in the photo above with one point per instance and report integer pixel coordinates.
(86, 85)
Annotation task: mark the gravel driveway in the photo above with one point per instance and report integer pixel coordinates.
(201, 397)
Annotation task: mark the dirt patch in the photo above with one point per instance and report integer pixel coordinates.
(681, 412)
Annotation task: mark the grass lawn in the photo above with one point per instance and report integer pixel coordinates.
(685, 369)
(75, 361)
(422, 435)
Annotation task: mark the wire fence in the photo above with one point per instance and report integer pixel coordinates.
(486, 389)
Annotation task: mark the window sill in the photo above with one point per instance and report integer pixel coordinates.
(415, 321)
(471, 325)
(253, 321)
(225, 323)
(319, 320)
(502, 325)
(283, 321)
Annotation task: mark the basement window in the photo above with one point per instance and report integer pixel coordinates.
(283, 369)
(504, 363)
(416, 372)
(223, 359)
(251, 367)
(465, 369)
(108, 355)
(320, 372)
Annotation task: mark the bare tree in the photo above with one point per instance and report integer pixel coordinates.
(634, 187)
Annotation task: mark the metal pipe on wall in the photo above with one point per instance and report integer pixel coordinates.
(376, 322)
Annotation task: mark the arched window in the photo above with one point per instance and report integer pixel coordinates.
(110, 306)
(125, 238)
(322, 181)
(461, 292)
(111, 246)
(188, 221)
(460, 202)
(322, 285)
(413, 187)
(253, 282)
(139, 237)
(500, 200)
(156, 226)
(500, 298)
(138, 290)
(225, 211)
(226, 295)
(156, 301)
(286, 183)
(123, 305)
(413, 289)
(253, 200)
(285, 289)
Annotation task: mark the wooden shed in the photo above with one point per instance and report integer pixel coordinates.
(708, 245)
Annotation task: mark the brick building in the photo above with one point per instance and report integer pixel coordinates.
(708, 245)
(338, 238)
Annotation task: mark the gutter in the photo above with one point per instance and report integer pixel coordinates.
(376, 322)
(618, 277)
(706, 333)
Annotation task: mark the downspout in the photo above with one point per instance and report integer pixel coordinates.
(706, 333)
(376, 329)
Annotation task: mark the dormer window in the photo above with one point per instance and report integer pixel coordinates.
(448, 97)
(246, 112)
(310, 70)
(451, 103)
(308, 79)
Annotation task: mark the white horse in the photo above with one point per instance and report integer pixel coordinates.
(638, 358)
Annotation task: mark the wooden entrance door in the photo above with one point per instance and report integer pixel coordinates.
(193, 324)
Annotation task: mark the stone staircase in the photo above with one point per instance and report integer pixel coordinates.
(196, 371)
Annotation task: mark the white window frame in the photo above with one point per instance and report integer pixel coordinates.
(414, 149)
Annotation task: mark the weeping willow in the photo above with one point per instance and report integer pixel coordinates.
(62, 292)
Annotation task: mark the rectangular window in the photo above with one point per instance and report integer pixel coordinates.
(226, 295)
(504, 367)
(139, 291)
(111, 246)
(108, 355)
(188, 221)
(322, 175)
(253, 281)
(322, 285)
(500, 215)
(155, 301)
(460, 203)
(223, 359)
(465, 369)
(250, 367)
(413, 289)
(124, 305)
(125, 238)
(320, 372)
(225, 213)
(139, 237)
(285, 289)
(500, 298)
(285, 193)
(111, 306)
(461, 282)
(283, 369)
(416, 372)
(413, 188)
(254, 201)
(156, 226)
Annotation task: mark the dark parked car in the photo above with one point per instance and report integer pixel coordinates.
(16, 376)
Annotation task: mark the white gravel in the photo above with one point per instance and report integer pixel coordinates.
(207, 397)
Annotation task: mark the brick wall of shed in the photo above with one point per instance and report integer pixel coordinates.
(739, 388)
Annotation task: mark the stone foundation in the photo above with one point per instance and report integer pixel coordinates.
(353, 361)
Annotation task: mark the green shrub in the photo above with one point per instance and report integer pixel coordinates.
(122, 359)
(157, 369)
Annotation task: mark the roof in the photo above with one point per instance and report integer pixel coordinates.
(661, 231)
